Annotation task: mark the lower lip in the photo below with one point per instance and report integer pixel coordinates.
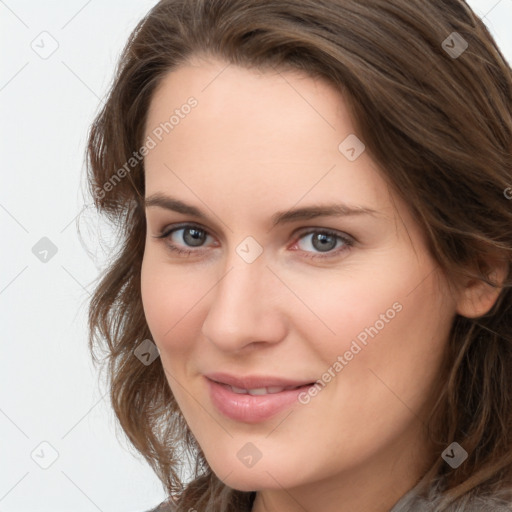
(251, 408)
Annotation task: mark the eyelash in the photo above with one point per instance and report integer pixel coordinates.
(348, 241)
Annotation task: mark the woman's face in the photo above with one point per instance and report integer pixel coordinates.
(266, 299)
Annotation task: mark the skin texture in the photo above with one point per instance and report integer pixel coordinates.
(258, 143)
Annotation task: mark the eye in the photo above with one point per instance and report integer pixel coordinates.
(325, 241)
(187, 239)
(191, 235)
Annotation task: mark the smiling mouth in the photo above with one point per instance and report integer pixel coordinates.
(254, 404)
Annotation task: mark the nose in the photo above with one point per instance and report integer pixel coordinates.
(245, 307)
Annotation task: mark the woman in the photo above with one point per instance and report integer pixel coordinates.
(311, 302)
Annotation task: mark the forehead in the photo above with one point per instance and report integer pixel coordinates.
(273, 135)
(259, 102)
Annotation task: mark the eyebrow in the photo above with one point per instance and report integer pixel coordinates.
(287, 216)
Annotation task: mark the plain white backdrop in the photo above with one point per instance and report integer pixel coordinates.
(59, 447)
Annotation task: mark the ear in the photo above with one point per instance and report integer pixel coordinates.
(476, 297)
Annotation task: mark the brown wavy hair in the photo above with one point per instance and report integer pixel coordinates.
(439, 126)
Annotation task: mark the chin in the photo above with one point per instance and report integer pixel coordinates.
(255, 478)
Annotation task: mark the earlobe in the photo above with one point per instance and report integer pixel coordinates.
(477, 297)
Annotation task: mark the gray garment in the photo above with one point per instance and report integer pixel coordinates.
(412, 502)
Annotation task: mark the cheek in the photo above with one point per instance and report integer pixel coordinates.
(343, 305)
(391, 334)
(168, 298)
(380, 317)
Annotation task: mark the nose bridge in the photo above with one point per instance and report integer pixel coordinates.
(240, 308)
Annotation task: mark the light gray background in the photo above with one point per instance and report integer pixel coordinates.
(49, 389)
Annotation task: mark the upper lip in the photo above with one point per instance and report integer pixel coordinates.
(255, 381)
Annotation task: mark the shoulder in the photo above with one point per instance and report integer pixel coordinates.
(472, 502)
(200, 492)
(169, 505)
